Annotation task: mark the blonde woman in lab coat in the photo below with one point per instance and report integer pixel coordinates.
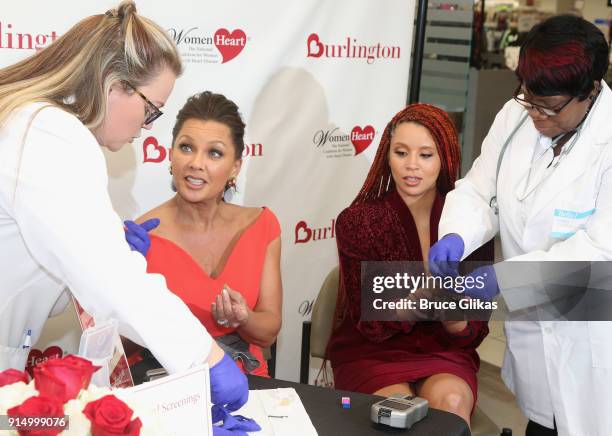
(96, 86)
(544, 182)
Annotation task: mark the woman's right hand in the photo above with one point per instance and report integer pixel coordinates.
(230, 308)
(137, 235)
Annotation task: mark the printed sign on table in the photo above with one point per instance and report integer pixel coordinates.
(180, 403)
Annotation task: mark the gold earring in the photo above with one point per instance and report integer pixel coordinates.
(170, 169)
(231, 183)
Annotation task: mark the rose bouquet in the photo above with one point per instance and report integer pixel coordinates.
(61, 401)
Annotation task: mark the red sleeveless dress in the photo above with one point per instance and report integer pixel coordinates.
(242, 272)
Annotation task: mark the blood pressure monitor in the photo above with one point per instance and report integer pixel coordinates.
(399, 411)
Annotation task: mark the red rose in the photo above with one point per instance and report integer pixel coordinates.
(10, 376)
(110, 416)
(63, 378)
(38, 407)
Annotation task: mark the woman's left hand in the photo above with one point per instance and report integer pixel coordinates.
(454, 327)
(230, 309)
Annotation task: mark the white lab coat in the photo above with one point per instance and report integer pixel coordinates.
(58, 228)
(560, 369)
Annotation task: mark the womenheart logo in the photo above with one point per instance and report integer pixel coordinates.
(36, 356)
(152, 151)
(362, 138)
(230, 44)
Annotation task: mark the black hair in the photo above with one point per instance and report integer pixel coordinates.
(563, 55)
(208, 106)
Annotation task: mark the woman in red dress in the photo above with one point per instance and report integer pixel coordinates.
(395, 218)
(221, 259)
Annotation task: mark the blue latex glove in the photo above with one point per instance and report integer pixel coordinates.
(236, 423)
(137, 235)
(487, 276)
(228, 385)
(444, 256)
(220, 431)
(218, 413)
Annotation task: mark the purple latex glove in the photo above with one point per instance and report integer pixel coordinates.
(137, 235)
(228, 385)
(485, 283)
(444, 256)
(220, 431)
(237, 424)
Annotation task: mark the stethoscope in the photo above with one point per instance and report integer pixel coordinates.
(493, 201)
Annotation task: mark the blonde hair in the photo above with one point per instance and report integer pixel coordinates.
(77, 70)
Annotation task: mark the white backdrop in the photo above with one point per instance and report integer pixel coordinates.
(316, 81)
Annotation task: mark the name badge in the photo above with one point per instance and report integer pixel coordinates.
(568, 222)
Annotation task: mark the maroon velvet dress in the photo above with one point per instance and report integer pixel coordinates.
(369, 355)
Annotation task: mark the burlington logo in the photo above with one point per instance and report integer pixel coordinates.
(350, 48)
(154, 152)
(222, 47)
(23, 40)
(335, 143)
(304, 233)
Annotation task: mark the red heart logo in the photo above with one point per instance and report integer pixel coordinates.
(229, 44)
(313, 42)
(302, 227)
(36, 356)
(149, 146)
(362, 138)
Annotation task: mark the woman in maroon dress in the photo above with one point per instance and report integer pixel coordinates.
(395, 218)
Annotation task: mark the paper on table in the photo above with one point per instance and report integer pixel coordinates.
(254, 408)
(266, 405)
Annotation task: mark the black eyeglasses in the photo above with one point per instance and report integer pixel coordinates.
(152, 112)
(549, 112)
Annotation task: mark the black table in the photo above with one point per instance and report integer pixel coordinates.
(324, 406)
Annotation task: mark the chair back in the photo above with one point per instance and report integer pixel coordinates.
(322, 317)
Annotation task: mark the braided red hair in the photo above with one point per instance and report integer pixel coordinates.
(441, 128)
